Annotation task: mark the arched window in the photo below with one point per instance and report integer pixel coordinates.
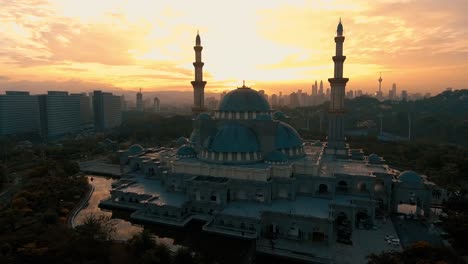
(362, 187)
(342, 186)
(323, 189)
(213, 196)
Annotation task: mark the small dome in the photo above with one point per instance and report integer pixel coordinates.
(287, 137)
(410, 177)
(186, 151)
(276, 157)
(135, 149)
(182, 141)
(374, 159)
(234, 137)
(203, 116)
(278, 115)
(244, 99)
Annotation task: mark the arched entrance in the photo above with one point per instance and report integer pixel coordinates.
(342, 187)
(323, 189)
(362, 220)
(343, 228)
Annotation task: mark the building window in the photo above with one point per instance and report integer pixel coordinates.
(213, 197)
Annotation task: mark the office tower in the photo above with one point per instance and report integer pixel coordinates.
(19, 113)
(139, 101)
(85, 108)
(274, 100)
(404, 95)
(60, 114)
(107, 111)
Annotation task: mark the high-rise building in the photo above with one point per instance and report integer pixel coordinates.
(336, 138)
(404, 95)
(85, 108)
(320, 91)
(139, 101)
(107, 110)
(211, 103)
(314, 90)
(274, 100)
(198, 84)
(294, 100)
(60, 114)
(156, 104)
(19, 113)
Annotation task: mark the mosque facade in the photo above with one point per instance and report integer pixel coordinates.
(249, 175)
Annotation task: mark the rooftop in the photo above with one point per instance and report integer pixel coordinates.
(332, 166)
(150, 186)
(306, 206)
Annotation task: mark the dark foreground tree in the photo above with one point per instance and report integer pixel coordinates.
(419, 252)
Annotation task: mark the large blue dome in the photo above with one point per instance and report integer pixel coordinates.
(244, 99)
(287, 137)
(233, 137)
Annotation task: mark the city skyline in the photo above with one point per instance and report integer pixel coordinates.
(274, 47)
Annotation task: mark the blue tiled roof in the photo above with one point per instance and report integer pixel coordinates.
(339, 29)
(186, 151)
(181, 141)
(203, 116)
(194, 136)
(135, 149)
(244, 100)
(287, 137)
(374, 159)
(234, 137)
(276, 156)
(410, 177)
(279, 115)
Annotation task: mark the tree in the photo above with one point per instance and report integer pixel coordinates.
(419, 252)
(141, 242)
(384, 258)
(183, 255)
(96, 227)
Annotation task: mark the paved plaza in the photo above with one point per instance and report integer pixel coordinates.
(365, 242)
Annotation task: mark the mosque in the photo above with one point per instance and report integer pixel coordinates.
(249, 175)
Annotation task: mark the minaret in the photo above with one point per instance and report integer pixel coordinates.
(336, 138)
(198, 84)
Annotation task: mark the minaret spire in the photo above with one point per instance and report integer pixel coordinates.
(336, 138)
(198, 84)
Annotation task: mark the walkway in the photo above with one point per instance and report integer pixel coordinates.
(77, 209)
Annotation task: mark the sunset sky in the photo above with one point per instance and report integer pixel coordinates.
(421, 45)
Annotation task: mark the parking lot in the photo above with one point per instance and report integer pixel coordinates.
(411, 230)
